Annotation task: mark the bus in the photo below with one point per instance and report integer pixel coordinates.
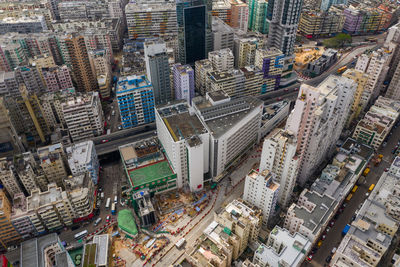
(108, 203)
(349, 197)
(342, 69)
(180, 243)
(371, 187)
(81, 235)
(354, 189)
(113, 208)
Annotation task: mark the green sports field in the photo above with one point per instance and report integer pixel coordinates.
(150, 173)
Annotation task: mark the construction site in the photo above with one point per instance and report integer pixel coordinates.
(305, 55)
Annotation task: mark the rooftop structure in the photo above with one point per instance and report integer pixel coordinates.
(282, 248)
(147, 167)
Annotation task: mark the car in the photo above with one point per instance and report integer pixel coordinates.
(334, 250)
(344, 205)
(367, 194)
(332, 223)
(104, 141)
(286, 89)
(327, 230)
(384, 144)
(323, 237)
(309, 258)
(108, 218)
(386, 169)
(314, 250)
(119, 127)
(354, 217)
(296, 89)
(336, 216)
(279, 98)
(328, 259)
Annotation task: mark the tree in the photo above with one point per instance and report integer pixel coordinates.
(338, 41)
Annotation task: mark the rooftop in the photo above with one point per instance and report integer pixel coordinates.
(147, 174)
(292, 249)
(181, 124)
(132, 82)
(80, 153)
(32, 251)
(221, 117)
(102, 249)
(313, 219)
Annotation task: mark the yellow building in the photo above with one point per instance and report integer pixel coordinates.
(8, 234)
(361, 79)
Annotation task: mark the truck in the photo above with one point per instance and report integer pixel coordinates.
(113, 208)
(366, 171)
(345, 229)
(108, 202)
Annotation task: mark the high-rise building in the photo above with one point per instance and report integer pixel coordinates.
(233, 125)
(101, 67)
(194, 30)
(8, 234)
(158, 71)
(261, 190)
(52, 162)
(245, 46)
(282, 248)
(270, 61)
(377, 122)
(239, 15)
(326, 4)
(222, 35)
(393, 91)
(318, 118)
(316, 23)
(57, 78)
(27, 115)
(81, 69)
(83, 116)
(376, 65)
(236, 83)
(82, 158)
(11, 55)
(50, 210)
(257, 15)
(279, 156)
(135, 100)
(202, 69)
(183, 76)
(151, 18)
(10, 144)
(30, 77)
(8, 177)
(29, 173)
(360, 99)
(8, 84)
(283, 18)
(23, 25)
(186, 143)
(222, 60)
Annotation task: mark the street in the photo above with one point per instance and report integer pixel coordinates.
(110, 181)
(334, 236)
(237, 176)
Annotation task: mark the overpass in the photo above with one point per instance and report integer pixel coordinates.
(119, 138)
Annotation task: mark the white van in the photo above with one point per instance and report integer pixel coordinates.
(115, 199)
(98, 220)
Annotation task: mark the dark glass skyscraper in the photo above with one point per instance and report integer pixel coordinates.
(194, 29)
